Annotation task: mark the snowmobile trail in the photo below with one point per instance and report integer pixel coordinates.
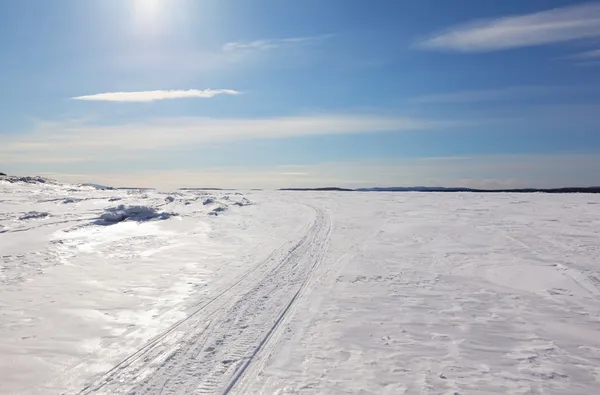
(212, 349)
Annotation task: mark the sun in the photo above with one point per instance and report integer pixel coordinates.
(148, 14)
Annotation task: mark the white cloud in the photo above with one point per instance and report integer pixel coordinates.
(260, 45)
(69, 140)
(149, 96)
(266, 44)
(546, 27)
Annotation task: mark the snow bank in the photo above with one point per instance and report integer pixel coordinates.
(34, 215)
(244, 202)
(133, 213)
(98, 186)
(29, 180)
(212, 200)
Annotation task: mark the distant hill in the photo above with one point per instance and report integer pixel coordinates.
(415, 189)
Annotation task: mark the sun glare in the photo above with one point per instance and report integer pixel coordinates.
(148, 14)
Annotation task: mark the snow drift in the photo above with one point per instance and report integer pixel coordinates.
(133, 213)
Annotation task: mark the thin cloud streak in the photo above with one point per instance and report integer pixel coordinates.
(512, 93)
(546, 27)
(150, 96)
(68, 139)
(587, 55)
(265, 52)
(267, 44)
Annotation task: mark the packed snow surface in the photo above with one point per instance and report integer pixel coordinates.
(139, 292)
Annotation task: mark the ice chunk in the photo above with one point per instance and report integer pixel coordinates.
(218, 210)
(133, 213)
(34, 215)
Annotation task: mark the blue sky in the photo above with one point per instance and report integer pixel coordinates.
(273, 93)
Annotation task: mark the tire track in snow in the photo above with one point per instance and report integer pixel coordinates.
(211, 349)
(163, 337)
(250, 366)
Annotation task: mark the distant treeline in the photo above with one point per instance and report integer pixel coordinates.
(445, 189)
(318, 189)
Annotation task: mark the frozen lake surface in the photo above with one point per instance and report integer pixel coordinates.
(123, 292)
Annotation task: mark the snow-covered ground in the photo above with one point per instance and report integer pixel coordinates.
(143, 292)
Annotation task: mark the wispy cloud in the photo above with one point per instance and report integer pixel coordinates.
(587, 55)
(546, 27)
(267, 44)
(259, 45)
(72, 140)
(149, 96)
(513, 93)
(185, 62)
(594, 63)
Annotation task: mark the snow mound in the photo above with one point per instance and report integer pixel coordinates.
(29, 180)
(34, 215)
(98, 187)
(138, 193)
(244, 202)
(133, 213)
(217, 210)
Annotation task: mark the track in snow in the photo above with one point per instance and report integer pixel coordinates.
(210, 351)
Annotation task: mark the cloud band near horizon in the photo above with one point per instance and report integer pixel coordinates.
(65, 140)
